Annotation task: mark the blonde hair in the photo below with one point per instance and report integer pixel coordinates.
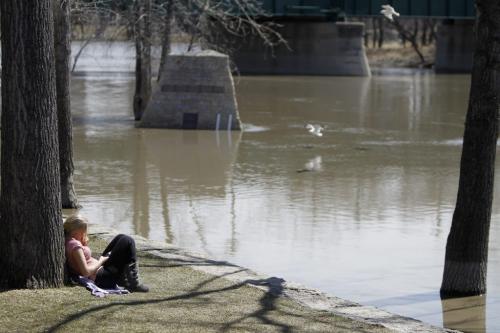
(74, 223)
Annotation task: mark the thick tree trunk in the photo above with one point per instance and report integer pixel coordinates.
(31, 235)
(467, 247)
(62, 43)
(167, 31)
(143, 57)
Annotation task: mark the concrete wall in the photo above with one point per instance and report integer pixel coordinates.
(455, 46)
(317, 48)
(196, 91)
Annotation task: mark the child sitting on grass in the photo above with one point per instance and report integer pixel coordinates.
(117, 265)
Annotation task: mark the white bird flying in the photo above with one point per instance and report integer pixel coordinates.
(314, 164)
(315, 130)
(388, 11)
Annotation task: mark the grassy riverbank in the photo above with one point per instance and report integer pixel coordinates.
(181, 300)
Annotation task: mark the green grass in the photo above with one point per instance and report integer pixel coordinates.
(181, 300)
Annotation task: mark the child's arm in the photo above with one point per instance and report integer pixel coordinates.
(85, 269)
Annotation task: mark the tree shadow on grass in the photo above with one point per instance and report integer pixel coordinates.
(272, 289)
(266, 302)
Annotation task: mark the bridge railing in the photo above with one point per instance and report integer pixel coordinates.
(422, 8)
(458, 9)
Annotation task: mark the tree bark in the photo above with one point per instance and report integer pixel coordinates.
(62, 45)
(381, 33)
(167, 31)
(467, 246)
(143, 57)
(374, 29)
(31, 234)
(423, 36)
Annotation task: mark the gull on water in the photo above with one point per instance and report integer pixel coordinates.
(315, 130)
(314, 164)
(388, 11)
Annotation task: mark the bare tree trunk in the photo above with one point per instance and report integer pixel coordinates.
(31, 235)
(143, 57)
(62, 42)
(365, 34)
(467, 246)
(375, 34)
(79, 53)
(425, 29)
(98, 33)
(381, 33)
(408, 36)
(432, 34)
(167, 31)
(415, 30)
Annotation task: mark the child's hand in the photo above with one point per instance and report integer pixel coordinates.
(103, 259)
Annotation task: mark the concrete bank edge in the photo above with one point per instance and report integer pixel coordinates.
(305, 296)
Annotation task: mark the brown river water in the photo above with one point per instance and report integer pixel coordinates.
(370, 226)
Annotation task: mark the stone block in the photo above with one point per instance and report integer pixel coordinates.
(196, 91)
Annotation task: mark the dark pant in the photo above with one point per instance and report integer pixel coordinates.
(121, 252)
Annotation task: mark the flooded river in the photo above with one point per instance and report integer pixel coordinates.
(370, 226)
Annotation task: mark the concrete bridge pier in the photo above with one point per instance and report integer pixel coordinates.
(455, 46)
(316, 48)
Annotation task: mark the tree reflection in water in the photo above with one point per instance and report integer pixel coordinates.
(467, 314)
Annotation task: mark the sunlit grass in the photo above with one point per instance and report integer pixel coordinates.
(181, 300)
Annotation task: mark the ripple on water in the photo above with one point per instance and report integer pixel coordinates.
(254, 128)
(452, 142)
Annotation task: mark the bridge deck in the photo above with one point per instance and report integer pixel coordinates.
(458, 9)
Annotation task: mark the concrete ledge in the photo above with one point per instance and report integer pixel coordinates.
(311, 298)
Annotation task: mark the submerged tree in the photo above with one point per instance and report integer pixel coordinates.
(62, 43)
(168, 16)
(213, 24)
(31, 235)
(467, 246)
(142, 32)
(406, 34)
